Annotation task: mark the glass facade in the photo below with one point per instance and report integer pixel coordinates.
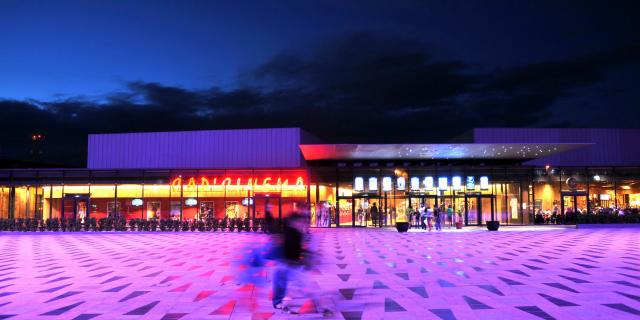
(165, 194)
(338, 195)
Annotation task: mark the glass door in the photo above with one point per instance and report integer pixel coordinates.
(411, 213)
(458, 210)
(486, 207)
(572, 205)
(471, 210)
(75, 206)
(362, 212)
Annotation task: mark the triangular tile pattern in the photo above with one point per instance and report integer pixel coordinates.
(365, 273)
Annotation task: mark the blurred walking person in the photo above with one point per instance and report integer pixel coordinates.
(294, 260)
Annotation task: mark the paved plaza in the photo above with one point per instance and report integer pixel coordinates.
(364, 274)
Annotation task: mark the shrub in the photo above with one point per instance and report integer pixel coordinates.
(77, 225)
(63, 224)
(55, 224)
(153, 225)
(132, 224)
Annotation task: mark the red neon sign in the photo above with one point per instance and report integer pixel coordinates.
(247, 183)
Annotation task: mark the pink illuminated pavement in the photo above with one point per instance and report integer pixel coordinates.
(366, 274)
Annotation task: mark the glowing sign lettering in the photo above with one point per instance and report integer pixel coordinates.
(256, 184)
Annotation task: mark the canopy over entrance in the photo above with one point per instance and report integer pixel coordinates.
(522, 151)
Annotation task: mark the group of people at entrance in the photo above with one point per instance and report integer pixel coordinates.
(433, 217)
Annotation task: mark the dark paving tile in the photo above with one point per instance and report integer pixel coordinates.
(173, 316)
(377, 284)
(532, 267)
(371, 271)
(561, 286)
(536, 312)
(344, 277)
(404, 276)
(421, 291)
(475, 304)
(347, 293)
(576, 270)
(86, 316)
(133, 295)
(391, 305)
(62, 310)
(64, 295)
(623, 307)
(112, 279)
(558, 302)
(628, 295)
(352, 315)
(118, 288)
(576, 280)
(54, 289)
(491, 289)
(511, 282)
(140, 311)
(444, 314)
(627, 283)
(630, 276)
(445, 283)
(57, 279)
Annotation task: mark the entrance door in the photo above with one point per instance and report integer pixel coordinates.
(261, 203)
(472, 210)
(486, 207)
(417, 201)
(361, 207)
(75, 206)
(479, 208)
(572, 204)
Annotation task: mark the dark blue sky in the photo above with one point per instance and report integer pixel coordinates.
(104, 66)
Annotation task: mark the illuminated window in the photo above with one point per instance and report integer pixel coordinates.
(358, 184)
(415, 183)
(386, 184)
(443, 183)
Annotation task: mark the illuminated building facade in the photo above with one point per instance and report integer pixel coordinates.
(507, 175)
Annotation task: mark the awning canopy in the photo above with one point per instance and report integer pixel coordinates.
(523, 151)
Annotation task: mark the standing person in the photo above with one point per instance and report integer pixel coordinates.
(437, 216)
(392, 215)
(269, 221)
(423, 217)
(374, 214)
(450, 216)
(409, 214)
(429, 217)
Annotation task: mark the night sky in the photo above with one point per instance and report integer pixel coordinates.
(374, 71)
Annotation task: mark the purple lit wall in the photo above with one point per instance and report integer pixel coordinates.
(611, 147)
(245, 148)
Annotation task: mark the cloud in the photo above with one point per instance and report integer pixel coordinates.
(361, 87)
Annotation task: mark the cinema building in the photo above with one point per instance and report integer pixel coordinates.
(506, 173)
